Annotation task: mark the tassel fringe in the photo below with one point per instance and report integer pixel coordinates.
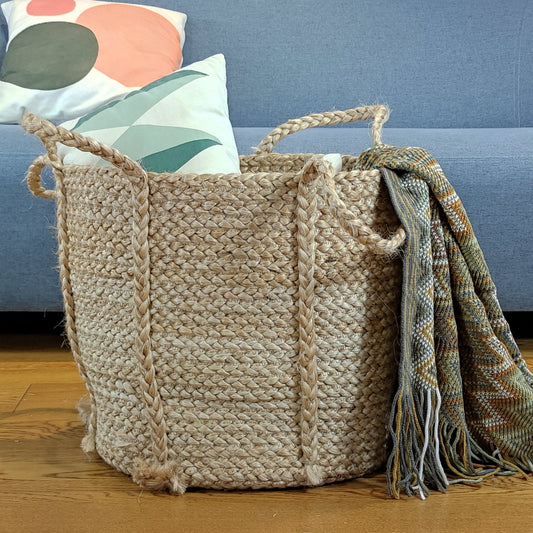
(159, 477)
(86, 414)
(421, 443)
(315, 475)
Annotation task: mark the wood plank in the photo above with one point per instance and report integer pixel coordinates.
(47, 483)
(526, 345)
(526, 349)
(19, 347)
(21, 373)
(51, 396)
(10, 396)
(107, 504)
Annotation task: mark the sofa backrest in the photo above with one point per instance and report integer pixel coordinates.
(439, 64)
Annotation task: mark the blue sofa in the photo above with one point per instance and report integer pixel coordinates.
(457, 75)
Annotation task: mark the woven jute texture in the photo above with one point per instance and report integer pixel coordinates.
(233, 331)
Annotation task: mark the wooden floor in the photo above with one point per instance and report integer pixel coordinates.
(47, 484)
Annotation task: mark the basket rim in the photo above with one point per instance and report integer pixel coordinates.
(241, 177)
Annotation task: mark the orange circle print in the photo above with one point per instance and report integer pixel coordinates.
(136, 45)
(50, 7)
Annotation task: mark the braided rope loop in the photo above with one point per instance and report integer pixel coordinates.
(379, 113)
(33, 178)
(318, 173)
(322, 170)
(50, 135)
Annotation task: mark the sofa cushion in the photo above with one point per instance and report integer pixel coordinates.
(65, 59)
(30, 280)
(489, 168)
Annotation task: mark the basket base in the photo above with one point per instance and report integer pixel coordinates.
(170, 476)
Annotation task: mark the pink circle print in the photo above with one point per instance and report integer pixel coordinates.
(50, 7)
(136, 45)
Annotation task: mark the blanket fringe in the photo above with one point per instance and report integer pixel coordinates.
(421, 443)
(415, 460)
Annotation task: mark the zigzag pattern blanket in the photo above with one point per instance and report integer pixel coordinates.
(464, 405)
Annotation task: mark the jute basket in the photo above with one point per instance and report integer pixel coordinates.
(233, 331)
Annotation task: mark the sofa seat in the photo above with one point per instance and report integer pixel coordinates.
(491, 170)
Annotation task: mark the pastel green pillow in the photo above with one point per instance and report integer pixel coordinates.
(177, 123)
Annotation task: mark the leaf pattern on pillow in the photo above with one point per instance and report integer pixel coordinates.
(172, 159)
(163, 148)
(159, 148)
(136, 103)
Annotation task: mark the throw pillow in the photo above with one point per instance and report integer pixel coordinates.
(65, 58)
(3, 35)
(180, 122)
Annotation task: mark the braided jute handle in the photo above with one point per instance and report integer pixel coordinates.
(379, 113)
(51, 134)
(162, 459)
(318, 168)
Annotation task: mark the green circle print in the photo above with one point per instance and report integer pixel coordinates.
(51, 55)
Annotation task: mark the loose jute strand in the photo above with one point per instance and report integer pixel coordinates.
(306, 216)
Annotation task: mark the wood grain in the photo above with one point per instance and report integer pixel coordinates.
(47, 484)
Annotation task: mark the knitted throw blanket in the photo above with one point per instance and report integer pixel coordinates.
(464, 405)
